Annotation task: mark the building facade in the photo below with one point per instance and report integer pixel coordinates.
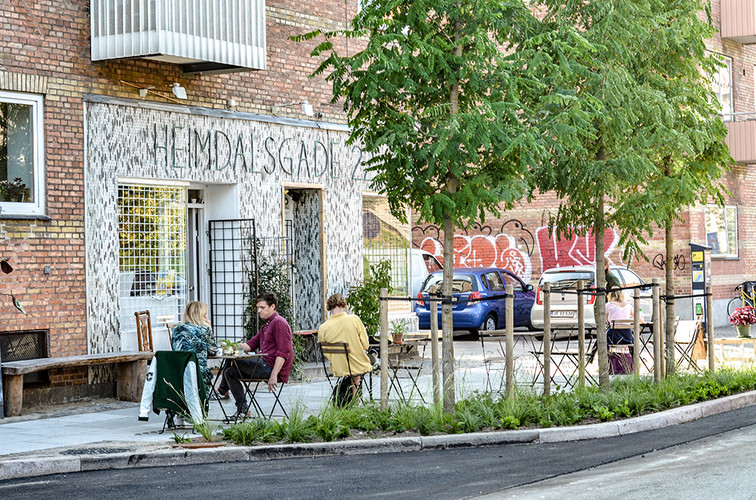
(157, 152)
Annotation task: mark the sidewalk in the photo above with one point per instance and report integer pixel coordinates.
(106, 434)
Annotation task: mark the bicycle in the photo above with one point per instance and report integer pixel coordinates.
(747, 297)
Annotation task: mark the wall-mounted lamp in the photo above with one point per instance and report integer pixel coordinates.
(306, 107)
(178, 91)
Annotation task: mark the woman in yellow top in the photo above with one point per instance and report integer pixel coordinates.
(343, 327)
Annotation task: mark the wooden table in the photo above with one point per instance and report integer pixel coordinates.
(737, 341)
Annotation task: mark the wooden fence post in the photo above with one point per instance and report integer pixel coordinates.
(384, 349)
(433, 307)
(710, 327)
(636, 332)
(509, 321)
(547, 339)
(581, 334)
(657, 331)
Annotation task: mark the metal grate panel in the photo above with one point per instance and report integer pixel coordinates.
(152, 253)
(26, 344)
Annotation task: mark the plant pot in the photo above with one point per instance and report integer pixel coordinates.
(744, 331)
(397, 337)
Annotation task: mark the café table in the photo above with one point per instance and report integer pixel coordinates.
(249, 393)
(406, 357)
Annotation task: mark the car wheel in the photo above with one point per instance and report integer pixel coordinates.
(489, 323)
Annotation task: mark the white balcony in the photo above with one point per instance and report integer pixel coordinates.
(741, 137)
(738, 21)
(208, 36)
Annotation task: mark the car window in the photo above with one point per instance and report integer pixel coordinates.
(432, 264)
(630, 278)
(561, 280)
(484, 280)
(511, 280)
(460, 283)
(495, 284)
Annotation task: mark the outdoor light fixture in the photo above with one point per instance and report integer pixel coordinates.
(306, 107)
(178, 91)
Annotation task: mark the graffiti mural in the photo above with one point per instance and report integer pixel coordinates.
(512, 246)
(577, 250)
(659, 262)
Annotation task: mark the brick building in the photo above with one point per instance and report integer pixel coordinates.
(145, 146)
(520, 241)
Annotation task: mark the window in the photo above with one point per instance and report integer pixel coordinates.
(722, 87)
(21, 154)
(495, 282)
(722, 230)
(152, 252)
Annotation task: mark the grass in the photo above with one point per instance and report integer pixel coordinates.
(627, 397)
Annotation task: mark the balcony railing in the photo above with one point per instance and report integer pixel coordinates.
(209, 36)
(738, 20)
(741, 136)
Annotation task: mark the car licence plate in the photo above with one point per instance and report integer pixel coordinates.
(562, 314)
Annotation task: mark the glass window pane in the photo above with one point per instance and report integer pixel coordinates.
(16, 153)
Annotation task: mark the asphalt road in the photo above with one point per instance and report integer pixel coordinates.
(456, 473)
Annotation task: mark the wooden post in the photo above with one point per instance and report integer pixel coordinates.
(509, 322)
(669, 340)
(384, 348)
(636, 332)
(547, 339)
(433, 307)
(581, 334)
(657, 331)
(710, 328)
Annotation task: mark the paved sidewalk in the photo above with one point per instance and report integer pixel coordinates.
(106, 434)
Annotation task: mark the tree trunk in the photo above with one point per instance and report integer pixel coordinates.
(599, 307)
(670, 301)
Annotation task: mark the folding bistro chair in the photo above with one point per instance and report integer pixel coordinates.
(251, 386)
(620, 357)
(144, 330)
(686, 334)
(404, 358)
(174, 384)
(341, 349)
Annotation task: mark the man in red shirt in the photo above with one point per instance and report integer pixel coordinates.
(274, 340)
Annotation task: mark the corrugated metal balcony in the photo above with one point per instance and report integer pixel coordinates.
(208, 36)
(741, 137)
(738, 20)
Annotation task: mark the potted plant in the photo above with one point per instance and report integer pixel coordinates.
(743, 318)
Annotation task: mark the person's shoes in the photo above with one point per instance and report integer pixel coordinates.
(221, 395)
(242, 413)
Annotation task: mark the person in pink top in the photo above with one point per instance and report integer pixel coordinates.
(275, 341)
(617, 309)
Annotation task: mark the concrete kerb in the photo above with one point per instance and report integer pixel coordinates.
(39, 466)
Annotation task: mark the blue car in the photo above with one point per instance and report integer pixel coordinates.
(470, 283)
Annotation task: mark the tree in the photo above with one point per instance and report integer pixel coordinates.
(691, 152)
(628, 91)
(436, 101)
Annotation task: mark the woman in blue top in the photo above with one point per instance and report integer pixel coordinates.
(196, 334)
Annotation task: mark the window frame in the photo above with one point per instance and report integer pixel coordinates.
(37, 207)
(723, 210)
(716, 88)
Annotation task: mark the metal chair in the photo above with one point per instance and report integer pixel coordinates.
(328, 349)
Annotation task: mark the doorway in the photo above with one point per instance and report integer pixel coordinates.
(303, 228)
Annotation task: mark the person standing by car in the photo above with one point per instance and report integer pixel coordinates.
(343, 327)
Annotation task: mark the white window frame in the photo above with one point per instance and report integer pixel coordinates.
(723, 79)
(730, 252)
(37, 207)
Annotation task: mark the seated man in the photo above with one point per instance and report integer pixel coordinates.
(343, 327)
(274, 340)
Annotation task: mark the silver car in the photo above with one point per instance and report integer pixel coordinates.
(564, 305)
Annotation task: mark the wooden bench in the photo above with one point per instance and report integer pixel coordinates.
(128, 386)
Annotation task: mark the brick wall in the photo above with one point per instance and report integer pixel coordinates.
(47, 51)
